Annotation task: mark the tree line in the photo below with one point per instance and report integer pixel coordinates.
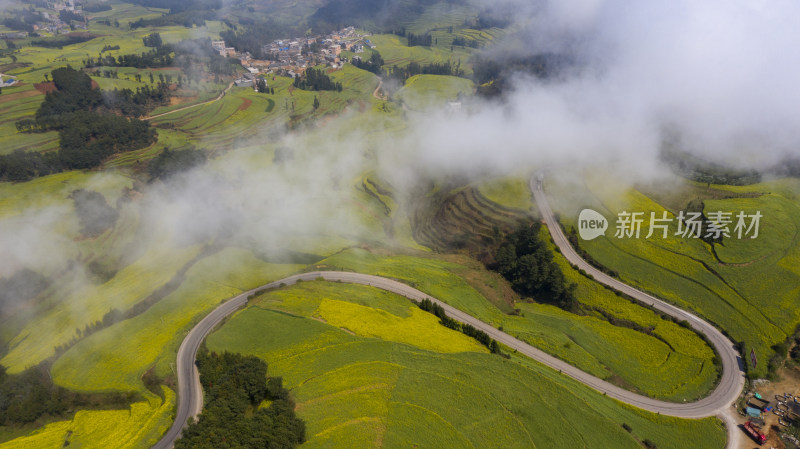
(234, 386)
(526, 262)
(31, 394)
(424, 40)
(466, 329)
(316, 79)
(252, 36)
(171, 162)
(373, 64)
(434, 68)
(155, 58)
(493, 76)
(22, 19)
(464, 42)
(190, 55)
(63, 40)
(181, 12)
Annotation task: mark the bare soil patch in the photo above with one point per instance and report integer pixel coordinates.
(46, 88)
(18, 95)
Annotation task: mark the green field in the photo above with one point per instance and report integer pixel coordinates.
(358, 391)
(673, 363)
(367, 368)
(511, 192)
(423, 91)
(115, 358)
(749, 288)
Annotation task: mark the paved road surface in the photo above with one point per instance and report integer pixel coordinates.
(717, 403)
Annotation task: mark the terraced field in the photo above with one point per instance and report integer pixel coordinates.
(748, 287)
(388, 393)
(462, 218)
(16, 103)
(395, 52)
(244, 114)
(137, 427)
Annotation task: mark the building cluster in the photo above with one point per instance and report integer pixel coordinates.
(52, 22)
(291, 57)
(9, 81)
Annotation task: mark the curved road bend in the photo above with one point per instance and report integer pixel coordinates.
(732, 379)
(190, 399)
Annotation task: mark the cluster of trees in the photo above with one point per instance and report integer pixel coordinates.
(424, 40)
(187, 19)
(464, 42)
(316, 79)
(178, 6)
(368, 14)
(63, 40)
(196, 55)
(255, 34)
(467, 329)
(96, 7)
(109, 48)
(152, 40)
(181, 12)
(22, 19)
(171, 162)
(234, 385)
(492, 75)
(138, 103)
(261, 86)
(497, 17)
(88, 133)
(526, 262)
(67, 16)
(22, 165)
(157, 57)
(108, 22)
(373, 64)
(93, 211)
(87, 138)
(192, 55)
(434, 68)
(698, 170)
(29, 395)
(20, 287)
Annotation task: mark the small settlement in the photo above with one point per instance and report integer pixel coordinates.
(291, 57)
(64, 17)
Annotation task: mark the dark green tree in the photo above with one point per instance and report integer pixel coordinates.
(152, 40)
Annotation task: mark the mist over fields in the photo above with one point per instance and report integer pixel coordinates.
(718, 77)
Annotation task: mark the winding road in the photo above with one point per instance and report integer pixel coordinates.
(718, 403)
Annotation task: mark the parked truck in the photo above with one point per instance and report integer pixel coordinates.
(755, 433)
